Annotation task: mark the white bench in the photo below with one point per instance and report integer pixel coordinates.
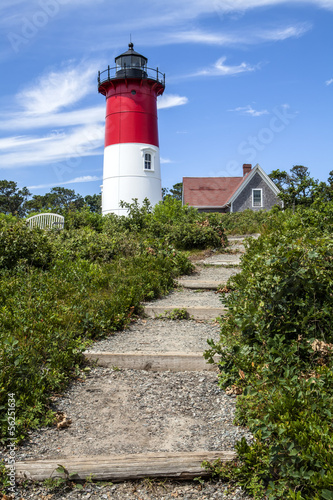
(46, 221)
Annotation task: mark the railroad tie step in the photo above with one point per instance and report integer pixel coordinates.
(222, 262)
(117, 468)
(197, 312)
(170, 361)
(200, 284)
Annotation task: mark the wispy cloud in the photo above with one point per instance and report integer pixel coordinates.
(165, 160)
(249, 110)
(51, 132)
(248, 36)
(84, 178)
(283, 32)
(57, 90)
(329, 82)
(28, 151)
(171, 100)
(54, 133)
(26, 121)
(222, 69)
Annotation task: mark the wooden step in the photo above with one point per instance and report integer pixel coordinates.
(117, 468)
(172, 361)
(222, 262)
(195, 312)
(200, 284)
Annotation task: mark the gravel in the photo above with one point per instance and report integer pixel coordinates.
(132, 411)
(188, 298)
(170, 336)
(139, 490)
(219, 274)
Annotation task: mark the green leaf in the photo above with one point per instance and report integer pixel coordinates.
(327, 494)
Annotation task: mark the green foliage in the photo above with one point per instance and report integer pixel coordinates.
(59, 199)
(246, 222)
(20, 245)
(181, 226)
(176, 192)
(175, 314)
(94, 202)
(75, 219)
(276, 346)
(12, 199)
(297, 187)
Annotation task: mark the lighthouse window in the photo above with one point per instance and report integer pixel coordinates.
(147, 161)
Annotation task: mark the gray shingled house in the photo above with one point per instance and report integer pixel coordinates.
(255, 190)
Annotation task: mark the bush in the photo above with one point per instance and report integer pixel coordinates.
(92, 286)
(246, 222)
(276, 347)
(21, 245)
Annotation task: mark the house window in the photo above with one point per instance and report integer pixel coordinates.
(147, 161)
(257, 197)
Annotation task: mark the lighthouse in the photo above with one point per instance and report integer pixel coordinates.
(131, 156)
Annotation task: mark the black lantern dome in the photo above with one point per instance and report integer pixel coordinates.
(131, 64)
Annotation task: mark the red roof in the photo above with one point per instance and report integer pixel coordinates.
(210, 191)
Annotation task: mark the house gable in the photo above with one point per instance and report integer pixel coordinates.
(264, 187)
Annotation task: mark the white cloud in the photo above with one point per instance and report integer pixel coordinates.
(222, 69)
(57, 90)
(84, 178)
(282, 33)
(68, 135)
(249, 36)
(53, 148)
(171, 100)
(329, 82)
(248, 110)
(165, 160)
(199, 36)
(25, 121)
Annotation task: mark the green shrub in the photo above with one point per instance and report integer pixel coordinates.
(276, 346)
(246, 222)
(21, 245)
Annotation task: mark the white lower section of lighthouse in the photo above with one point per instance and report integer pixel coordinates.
(131, 170)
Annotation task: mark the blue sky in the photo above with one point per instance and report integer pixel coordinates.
(247, 81)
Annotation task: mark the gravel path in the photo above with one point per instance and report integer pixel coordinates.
(130, 411)
(188, 298)
(170, 336)
(212, 273)
(139, 490)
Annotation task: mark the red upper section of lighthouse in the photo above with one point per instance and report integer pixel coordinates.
(131, 91)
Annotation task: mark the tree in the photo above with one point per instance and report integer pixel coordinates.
(58, 199)
(176, 192)
(165, 192)
(94, 202)
(12, 199)
(297, 188)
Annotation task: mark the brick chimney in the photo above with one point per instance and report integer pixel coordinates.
(247, 167)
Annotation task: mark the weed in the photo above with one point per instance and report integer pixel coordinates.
(175, 314)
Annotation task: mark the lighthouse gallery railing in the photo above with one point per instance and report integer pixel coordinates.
(148, 73)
